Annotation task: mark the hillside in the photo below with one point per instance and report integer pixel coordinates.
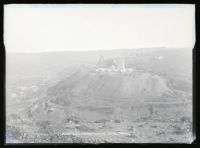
(78, 92)
(108, 92)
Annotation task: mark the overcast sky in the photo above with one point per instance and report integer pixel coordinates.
(37, 28)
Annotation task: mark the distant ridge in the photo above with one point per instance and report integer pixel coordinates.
(101, 50)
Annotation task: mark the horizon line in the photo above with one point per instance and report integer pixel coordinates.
(91, 50)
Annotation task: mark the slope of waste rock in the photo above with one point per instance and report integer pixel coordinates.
(104, 94)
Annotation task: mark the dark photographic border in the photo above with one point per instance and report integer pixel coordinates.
(195, 63)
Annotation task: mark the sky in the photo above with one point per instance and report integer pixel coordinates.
(80, 27)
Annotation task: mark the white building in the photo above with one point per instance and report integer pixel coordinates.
(119, 67)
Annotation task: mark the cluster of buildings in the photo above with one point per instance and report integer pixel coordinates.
(117, 66)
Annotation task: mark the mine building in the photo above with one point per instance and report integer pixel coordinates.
(116, 66)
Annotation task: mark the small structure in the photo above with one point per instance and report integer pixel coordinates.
(13, 118)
